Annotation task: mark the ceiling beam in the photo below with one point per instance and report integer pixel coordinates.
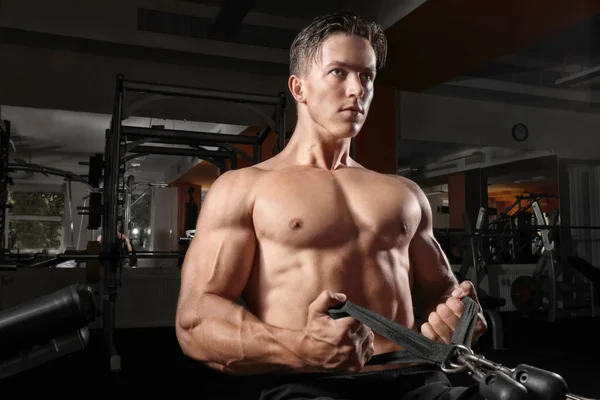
(579, 77)
(229, 18)
(584, 96)
(208, 53)
(443, 39)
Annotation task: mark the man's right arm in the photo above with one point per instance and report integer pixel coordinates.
(210, 326)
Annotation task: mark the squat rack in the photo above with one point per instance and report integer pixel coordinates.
(124, 143)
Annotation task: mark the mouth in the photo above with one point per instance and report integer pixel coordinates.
(355, 109)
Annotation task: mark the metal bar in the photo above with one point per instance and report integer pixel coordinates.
(4, 154)
(172, 151)
(281, 123)
(140, 133)
(80, 224)
(507, 231)
(570, 227)
(46, 170)
(83, 256)
(216, 163)
(472, 251)
(127, 216)
(130, 157)
(44, 218)
(580, 76)
(60, 258)
(175, 90)
(128, 145)
(262, 136)
(161, 255)
(552, 296)
(140, 196)
(70, 213)
(109, 223)
(444, 232)
(257, 153)
(240, 153)
(88, 257)
(158, 252)
(193, 143)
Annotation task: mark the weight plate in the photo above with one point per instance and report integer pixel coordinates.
(526, 294)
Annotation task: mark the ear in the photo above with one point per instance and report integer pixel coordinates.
(296, 87)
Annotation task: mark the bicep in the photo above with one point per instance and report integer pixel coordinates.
(431, 270)
(220, 257)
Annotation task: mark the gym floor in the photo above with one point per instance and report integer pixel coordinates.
(151, 359)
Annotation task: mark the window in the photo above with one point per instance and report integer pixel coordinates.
(35, 219)
(140, 233)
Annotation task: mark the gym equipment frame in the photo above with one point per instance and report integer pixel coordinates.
(121, 140)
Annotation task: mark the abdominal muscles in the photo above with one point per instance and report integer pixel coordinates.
(284, 282)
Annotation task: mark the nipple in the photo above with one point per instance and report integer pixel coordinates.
(404, 228)
(296, 223)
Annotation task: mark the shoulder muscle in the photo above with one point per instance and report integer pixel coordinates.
(220, 257)
(420, 198)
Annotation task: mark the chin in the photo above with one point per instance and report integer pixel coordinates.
(346, 132)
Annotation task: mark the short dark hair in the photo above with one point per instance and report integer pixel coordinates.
(307, 43)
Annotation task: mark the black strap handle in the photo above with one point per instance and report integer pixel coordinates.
(416, 346)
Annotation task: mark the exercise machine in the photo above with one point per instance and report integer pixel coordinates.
(526, 291)
(495, 381)
(475, 262)
(515, 231)
(125, 143)
(546, 282)
(45, 328)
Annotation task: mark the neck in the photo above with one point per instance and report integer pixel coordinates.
(318, 148)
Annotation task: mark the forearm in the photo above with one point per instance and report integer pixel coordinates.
(229, 338)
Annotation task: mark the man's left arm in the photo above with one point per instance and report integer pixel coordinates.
(436, 291)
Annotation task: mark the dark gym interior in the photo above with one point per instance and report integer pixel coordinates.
(120, 116)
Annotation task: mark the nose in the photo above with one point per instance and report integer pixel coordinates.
(355, 86)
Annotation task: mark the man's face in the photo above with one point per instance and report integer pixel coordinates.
(338, 86)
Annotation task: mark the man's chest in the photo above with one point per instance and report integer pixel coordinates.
(321, 209)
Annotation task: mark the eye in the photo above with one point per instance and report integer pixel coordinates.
(367, 77)
(337, 72)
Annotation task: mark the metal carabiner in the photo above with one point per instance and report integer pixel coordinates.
(448, 366)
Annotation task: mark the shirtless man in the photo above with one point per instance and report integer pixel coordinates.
(307, 229)
(120, 236)
(126, 243)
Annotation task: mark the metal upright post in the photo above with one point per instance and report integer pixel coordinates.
(4, 149)
(281, 123)
(233, 161)
(472, 250)
(257, 153)
(109, 226)
(70, 212)
(127, 214)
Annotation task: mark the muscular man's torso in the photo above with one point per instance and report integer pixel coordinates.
(346, 231)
